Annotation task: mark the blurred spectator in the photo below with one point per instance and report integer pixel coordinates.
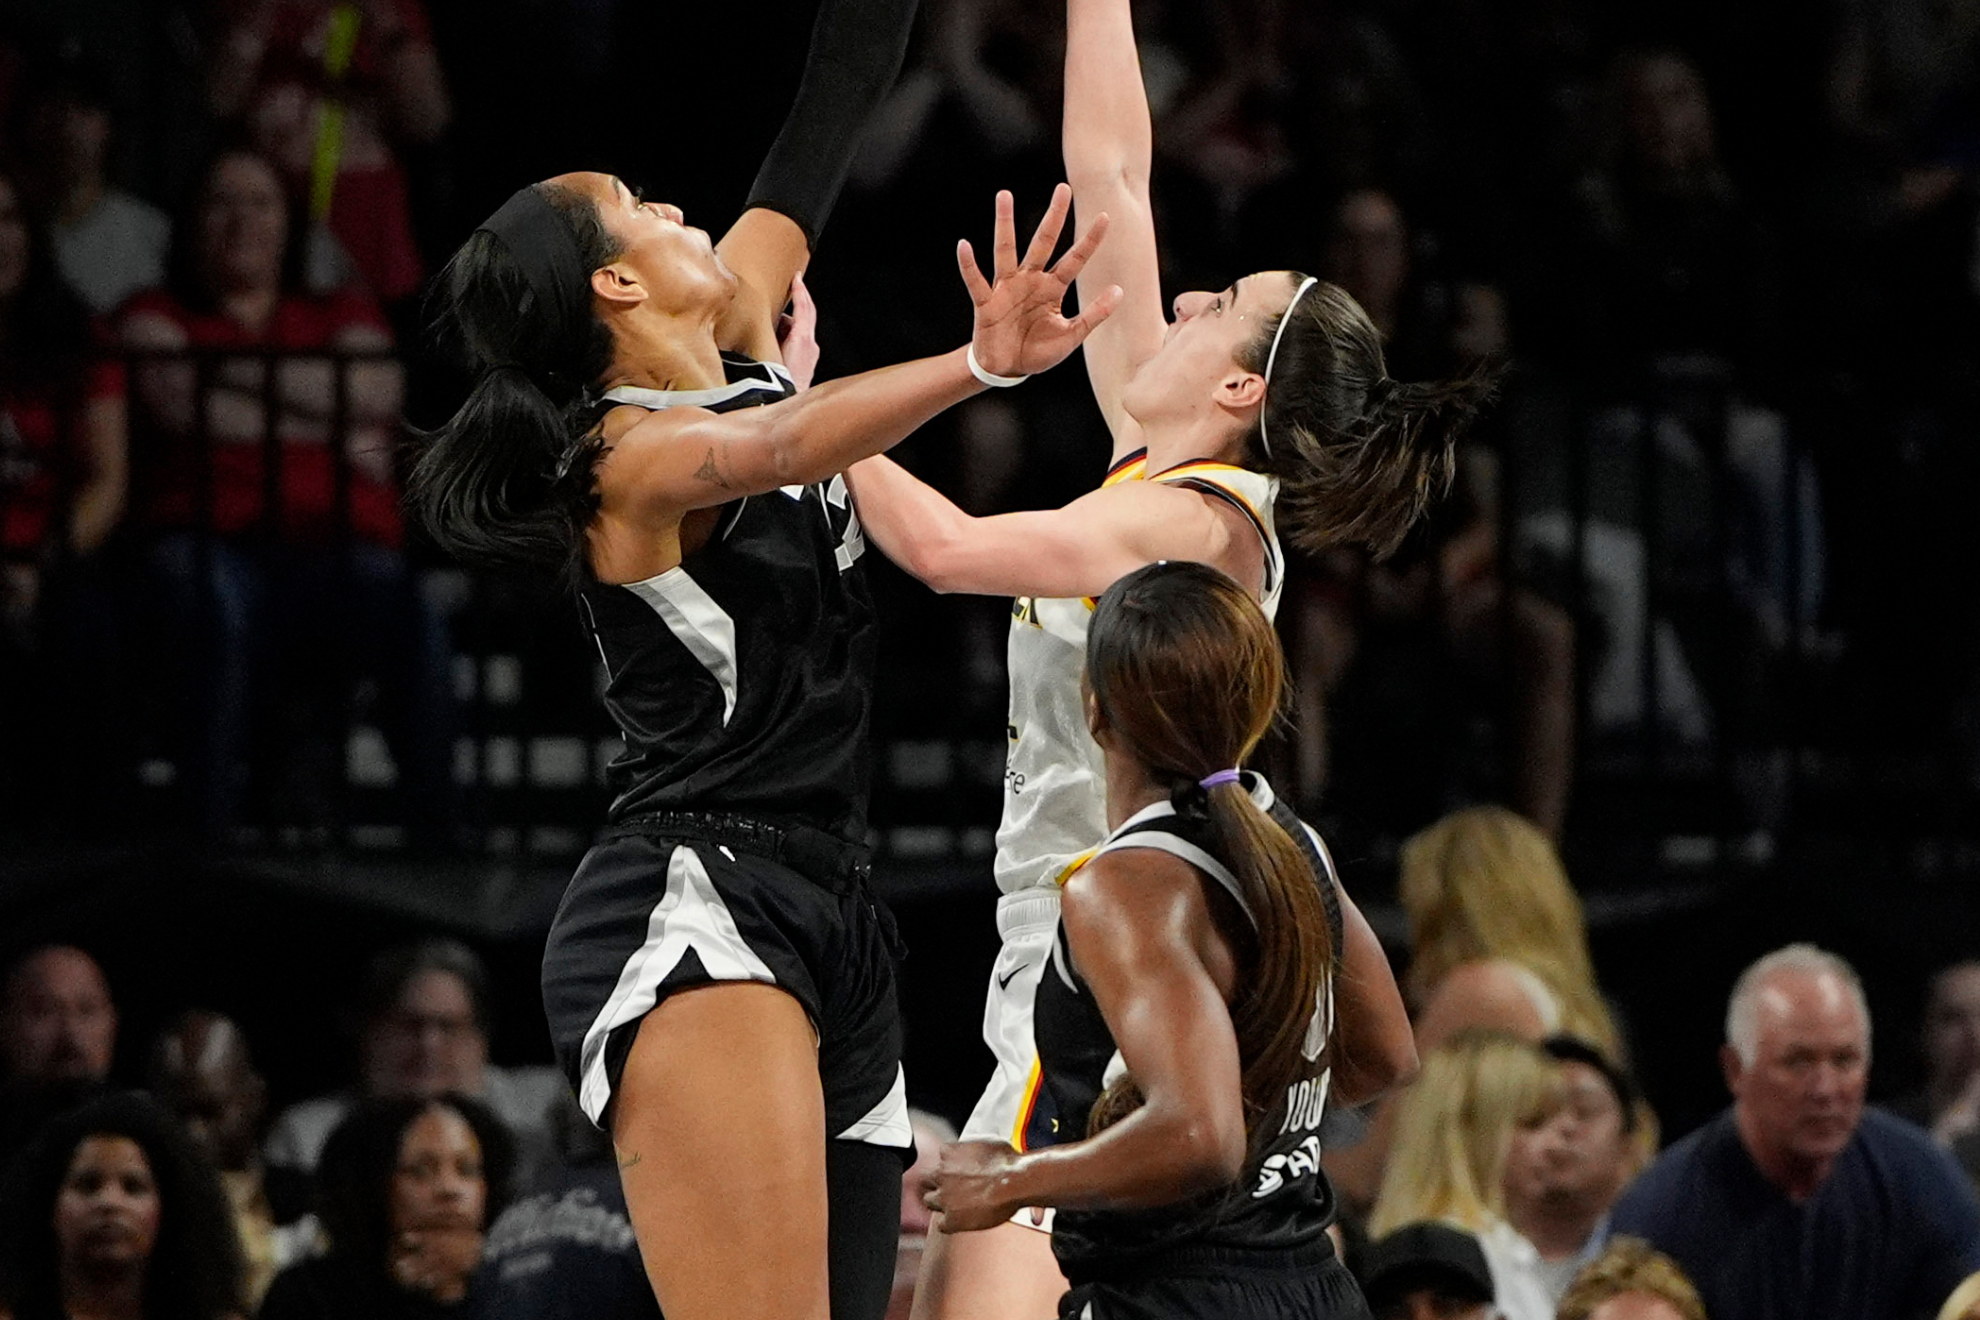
(328, 91)
(1630, 1280)
(107, 243)
(1437, 612)
(316, 577)
(112, 1212)
(63, 464)
(409, 1186)
(1797, 1201)
(931, 1133)
(1964, 1304)
(425, 1034)
(1950, 1104)
(1563, 1176)
(567, 1253)
(1668, 259)
(1454, 1130)
(57, 1021)
(1427, 1271)
(1484, 883)
(201, 1072)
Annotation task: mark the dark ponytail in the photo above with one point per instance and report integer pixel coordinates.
(1188, 675)
(508, 481)
(1360, 457)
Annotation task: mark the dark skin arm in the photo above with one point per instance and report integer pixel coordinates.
(1142, 933)
(1374, 1049)
(766, 250)
(681, 459)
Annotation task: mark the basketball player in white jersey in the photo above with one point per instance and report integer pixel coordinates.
(1260, 406)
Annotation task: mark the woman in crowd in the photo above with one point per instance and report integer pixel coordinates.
(1266, 404)
(1211, 986)
(407, 1188)
(719, 985)
(62, 488)
(1485, 883)
(112, 1212)
(308, 556)
(1454, 1130)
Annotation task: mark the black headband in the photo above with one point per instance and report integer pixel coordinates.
(543, 245)
(1573, 1049)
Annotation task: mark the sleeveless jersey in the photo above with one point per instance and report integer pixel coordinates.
(1281, 1199)
(1055, 800)
(741, 679)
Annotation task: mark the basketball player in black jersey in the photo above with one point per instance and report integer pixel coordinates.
(718, 983)
(1210, 989)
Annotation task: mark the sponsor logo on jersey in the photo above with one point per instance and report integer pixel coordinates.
(1303, 1161)
(1306, 1103)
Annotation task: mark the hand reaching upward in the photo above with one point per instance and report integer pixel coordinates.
(1021, 327)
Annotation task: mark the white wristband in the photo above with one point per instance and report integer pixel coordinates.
(990, 378)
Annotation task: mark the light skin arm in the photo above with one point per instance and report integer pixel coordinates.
(683, 459)
(1079, 550)
(1107, 143)
(1144, 940)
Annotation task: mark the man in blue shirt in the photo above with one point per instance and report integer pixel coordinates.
(1796, 1204)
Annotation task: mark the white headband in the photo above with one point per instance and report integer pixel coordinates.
(1285, 319)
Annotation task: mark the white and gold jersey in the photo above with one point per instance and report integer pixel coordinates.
(1055, 799)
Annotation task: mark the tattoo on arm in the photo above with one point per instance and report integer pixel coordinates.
(710, 473)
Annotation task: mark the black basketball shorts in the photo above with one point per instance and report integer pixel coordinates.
(649, 914)
(1212, 1284)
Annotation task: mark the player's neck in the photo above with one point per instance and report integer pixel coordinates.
(665, 354)
(1130, 788)
(1189, 437)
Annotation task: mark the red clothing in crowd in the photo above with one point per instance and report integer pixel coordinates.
(41, 415)
(166, 489)
(370, 211)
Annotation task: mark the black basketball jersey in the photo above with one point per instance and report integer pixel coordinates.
(741, 679)
(1282, 1199)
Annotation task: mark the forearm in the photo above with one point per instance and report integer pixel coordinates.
(99, 502)
(828, 428)
(1374, 1045)
(907, 518)
(856, 51)
(1107, 136)
(1154, 1157)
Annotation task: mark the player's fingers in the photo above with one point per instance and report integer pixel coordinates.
(1046, 236)
(979, 288)
(1005, 251)
(1070, 265)
(1094, 313)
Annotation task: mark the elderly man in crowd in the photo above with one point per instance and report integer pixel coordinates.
(1563, 1176)
(425, 1033)
(57, 1021)
(1798, 1202)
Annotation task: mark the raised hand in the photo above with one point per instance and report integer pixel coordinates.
(797, 334)
(1021, 326)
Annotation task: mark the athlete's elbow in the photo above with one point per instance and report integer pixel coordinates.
(1208, 1154)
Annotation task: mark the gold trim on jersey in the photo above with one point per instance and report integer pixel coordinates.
(1072, 867)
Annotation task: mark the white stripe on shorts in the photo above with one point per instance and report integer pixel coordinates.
(691, 915)
(886, 1124)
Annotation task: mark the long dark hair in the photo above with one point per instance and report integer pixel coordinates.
(354, 1177)
(1360, 457)
(507, 482)
(195, 1270)
(1188, 675)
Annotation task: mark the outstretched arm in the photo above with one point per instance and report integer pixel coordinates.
(683, 458)
(1079, 550)
(856, 52)
(1136, 931)
(1107, 141)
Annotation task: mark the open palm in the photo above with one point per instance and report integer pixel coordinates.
(1021, 326)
